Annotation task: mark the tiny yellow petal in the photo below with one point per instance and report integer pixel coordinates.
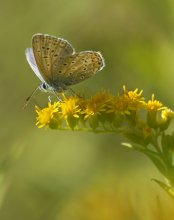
(45, 115)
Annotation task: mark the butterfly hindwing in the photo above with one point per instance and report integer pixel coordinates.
(78, 67)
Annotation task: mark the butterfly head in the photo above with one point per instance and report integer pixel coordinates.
(44, 87)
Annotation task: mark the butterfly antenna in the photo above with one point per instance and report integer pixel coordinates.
(29, 98)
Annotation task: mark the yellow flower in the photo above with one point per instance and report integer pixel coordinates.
(119, 104)
(45, 115)
(134, 98)
(167, 114)
(97, 104)
(154, 105)
(130, 100)
(70, 107)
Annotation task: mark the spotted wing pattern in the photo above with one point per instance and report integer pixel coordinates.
(78, 67)
(49, 51)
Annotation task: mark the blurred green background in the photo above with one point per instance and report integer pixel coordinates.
(47, 174)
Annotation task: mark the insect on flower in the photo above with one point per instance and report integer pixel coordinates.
(58, 66)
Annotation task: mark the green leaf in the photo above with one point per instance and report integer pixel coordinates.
(135, 138)
(167, 188)
(159, 163)
(167, 143)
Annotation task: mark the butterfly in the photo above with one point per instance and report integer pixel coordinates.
(58, 66)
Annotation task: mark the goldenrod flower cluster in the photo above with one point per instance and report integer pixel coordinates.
(105, 112)
(143, 123)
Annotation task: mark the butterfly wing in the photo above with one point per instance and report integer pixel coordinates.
(49, 51)
(78, 67)
(31, 60)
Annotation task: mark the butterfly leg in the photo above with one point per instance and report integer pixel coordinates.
(59, 99)
(49, 98)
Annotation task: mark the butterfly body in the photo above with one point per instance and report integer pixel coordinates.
(58, 66)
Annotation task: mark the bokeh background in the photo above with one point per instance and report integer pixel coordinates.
(46, 174)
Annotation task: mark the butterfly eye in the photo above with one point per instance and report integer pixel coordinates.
(44, 86)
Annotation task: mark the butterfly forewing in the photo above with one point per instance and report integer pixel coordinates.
(31, 60)
(78, 67)
(49, 52)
